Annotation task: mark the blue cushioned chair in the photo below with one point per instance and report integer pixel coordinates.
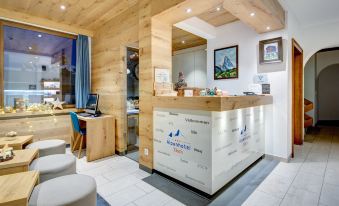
(80, 133)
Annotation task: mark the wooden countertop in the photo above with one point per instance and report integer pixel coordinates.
(17, 188)
(21, 158)
(28, 114)
(215, 103)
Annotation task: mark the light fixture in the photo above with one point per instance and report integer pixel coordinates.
(218, 9)
(36, 57)
(31, 62)
(188, 10)
(252, 14)
(268, 28)
(30, 48)
(183, 41)
(62, 7)
(39, 35)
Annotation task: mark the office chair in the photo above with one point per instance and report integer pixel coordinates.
(80, 133)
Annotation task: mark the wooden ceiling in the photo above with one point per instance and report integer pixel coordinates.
(217, 16)
(87, 14)
(190, 40)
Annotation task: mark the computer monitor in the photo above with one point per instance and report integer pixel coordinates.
(92, 104)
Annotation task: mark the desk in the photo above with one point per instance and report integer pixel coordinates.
(20, 162)
(216, 137)
(18, 142)
(16, 188)
(100, 136)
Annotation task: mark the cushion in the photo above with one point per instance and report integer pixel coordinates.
(53, 166)
(75, 190)
(49, 147)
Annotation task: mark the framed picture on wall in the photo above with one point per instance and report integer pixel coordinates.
(271, 51)
(226, 63)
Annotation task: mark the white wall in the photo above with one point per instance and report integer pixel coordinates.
(319, 37)
(237, 33)
(314, 66)
(309, 85)
(192, 62)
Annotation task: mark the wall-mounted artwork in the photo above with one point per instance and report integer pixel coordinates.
(271, 51)
(226, 63)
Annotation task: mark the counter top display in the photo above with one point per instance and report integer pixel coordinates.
(205, 142)
(213, 103)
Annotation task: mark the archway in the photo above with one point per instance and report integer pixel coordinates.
(327, 94)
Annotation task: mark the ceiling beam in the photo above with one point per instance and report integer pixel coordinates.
(178, 12)
(42, 22)
(267, 15)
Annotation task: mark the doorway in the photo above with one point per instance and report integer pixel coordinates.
(297, 95)
(132, 102)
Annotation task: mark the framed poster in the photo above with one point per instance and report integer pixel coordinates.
(271, 51)
(226, 63)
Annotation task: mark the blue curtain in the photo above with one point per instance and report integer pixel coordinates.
(82, 73)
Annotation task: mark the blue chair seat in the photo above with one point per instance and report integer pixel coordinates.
(83, 131)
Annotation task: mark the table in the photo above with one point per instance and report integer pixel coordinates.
(100, 136)
(20, 163)
(18, 143)
(16, 188)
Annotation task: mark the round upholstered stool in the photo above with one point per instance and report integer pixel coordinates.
(74, 190)
(49, 147)
(53, 166)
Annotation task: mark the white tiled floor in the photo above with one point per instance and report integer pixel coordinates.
(119, 182)
(311, 178)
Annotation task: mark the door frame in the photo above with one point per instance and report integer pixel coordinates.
(297, 95)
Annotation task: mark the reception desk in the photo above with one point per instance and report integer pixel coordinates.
(207, 141)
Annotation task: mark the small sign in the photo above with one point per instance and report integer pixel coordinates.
(261, 79)
(266, 88)
(32, 87)
(161, 75)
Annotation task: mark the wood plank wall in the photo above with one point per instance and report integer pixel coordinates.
(50, 127)
(109, 70)
(109, 78)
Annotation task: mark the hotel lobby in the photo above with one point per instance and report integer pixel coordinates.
(179, 102)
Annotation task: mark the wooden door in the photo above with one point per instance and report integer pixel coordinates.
(297, 95)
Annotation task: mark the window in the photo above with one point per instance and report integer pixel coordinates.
(39, 67)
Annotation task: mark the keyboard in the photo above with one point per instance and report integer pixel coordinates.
(84, 114)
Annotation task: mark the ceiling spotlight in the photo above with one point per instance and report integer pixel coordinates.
(252, 14)
(188, 10)
(36, 57)
(30, 48)
(218, 9)
(39, 35)
(268, 28)
(31, 62)
(62, 7)
(183, 41)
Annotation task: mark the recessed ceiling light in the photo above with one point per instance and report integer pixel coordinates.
(252, 14)
(183, 41)
(188, 10)
(30, 48)
(36, 57)
(268, 28)
(31, 62)
(218, 9)
(39, 35)
(62, 7)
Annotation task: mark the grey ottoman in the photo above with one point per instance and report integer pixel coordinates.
(49, 147)
(53, 166)
(73, 190)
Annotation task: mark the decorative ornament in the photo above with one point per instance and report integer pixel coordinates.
(57, 104)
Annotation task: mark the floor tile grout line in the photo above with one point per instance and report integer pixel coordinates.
(322, 185)
(308, 152)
